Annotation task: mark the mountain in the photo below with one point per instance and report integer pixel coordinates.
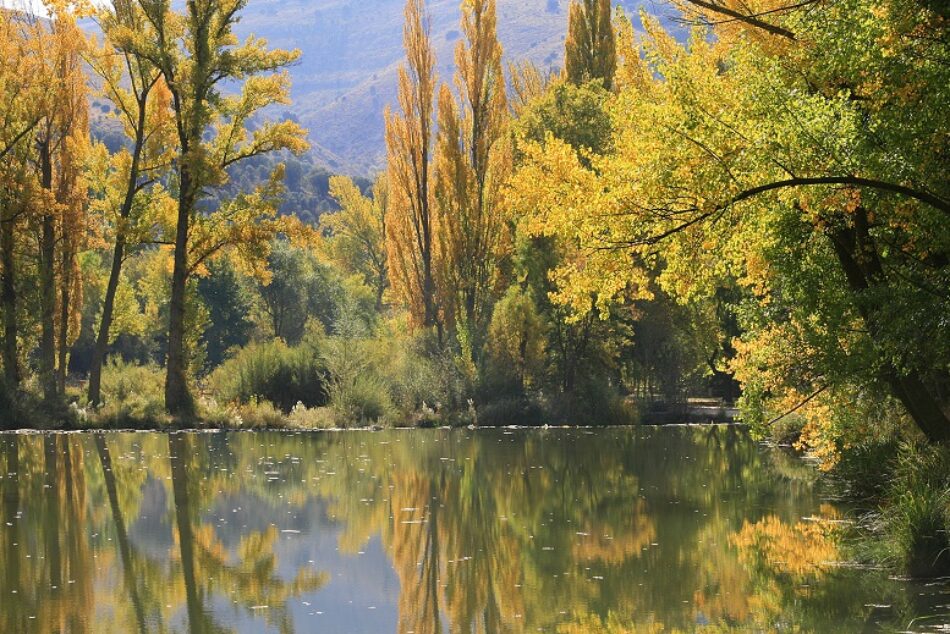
(351, 50)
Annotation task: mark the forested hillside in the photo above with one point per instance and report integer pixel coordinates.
(350, 50)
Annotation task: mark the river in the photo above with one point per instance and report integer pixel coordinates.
(568, 531)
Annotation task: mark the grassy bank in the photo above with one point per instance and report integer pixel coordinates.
(899, 486)
(324, 382)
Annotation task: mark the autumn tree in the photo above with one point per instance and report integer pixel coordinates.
(356, 235)
(411, 221)
(812, 173)
(198, 55)
(590, 50)
(22, 105)
(129, 182)
(58, 209)
(473, 162)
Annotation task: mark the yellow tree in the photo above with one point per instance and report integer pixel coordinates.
(800, 170)
(128, 184)
(590, 49)
(356, 235)
(22, 100)
(59, 208)
(198, 53)
(411, 223)
(473, 161)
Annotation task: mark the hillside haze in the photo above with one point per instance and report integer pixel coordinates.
(351, 50)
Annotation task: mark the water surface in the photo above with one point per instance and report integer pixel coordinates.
(428, 531)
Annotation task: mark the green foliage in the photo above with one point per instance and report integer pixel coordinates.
(275, 372)
(516, 341)
(229, 304)
(575, 114)
(131, 395)
(300, 289)
(917, 510)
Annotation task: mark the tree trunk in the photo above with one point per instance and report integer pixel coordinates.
(47, 285)
(108, 307)
(178, 399)
(118, 256)
(859, 260)
(64, 302)
(8, 304)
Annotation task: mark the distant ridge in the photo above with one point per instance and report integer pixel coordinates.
(351, 50)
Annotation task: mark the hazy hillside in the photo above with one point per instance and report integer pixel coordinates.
(352, 48)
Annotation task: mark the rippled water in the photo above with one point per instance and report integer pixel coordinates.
(423, 531)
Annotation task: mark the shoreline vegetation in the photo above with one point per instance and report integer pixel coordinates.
(749, 207)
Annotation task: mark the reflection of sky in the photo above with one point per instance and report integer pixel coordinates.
(362, 590)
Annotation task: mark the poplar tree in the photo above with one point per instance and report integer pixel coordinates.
(590, 50)
(61, 143)
(356, 235)
(411, 223)
(198, 54)
(473, 161)
(133, 84)
(22, 106)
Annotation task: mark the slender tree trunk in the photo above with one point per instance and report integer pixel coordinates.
(380, 290)
(858, 258)
(108, 307)
(178, 454)
(125, 547)
(8, 304)
(47, 285)
(118, 257)
(64, 306)
(178, 398)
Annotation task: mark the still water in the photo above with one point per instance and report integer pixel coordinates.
(427, 531)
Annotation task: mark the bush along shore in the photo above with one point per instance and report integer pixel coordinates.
(898, 486)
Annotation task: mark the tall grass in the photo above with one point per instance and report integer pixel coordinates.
(132, 395)
(274, 372)
(917, 510)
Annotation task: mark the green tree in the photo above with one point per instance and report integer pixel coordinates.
(590, 51)
(198, 54)
(356, 235)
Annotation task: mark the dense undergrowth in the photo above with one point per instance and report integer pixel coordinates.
(357, 377)
(899, 485)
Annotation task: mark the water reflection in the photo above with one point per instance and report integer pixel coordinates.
(427, 532)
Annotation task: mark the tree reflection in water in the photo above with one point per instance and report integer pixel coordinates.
(564, 531)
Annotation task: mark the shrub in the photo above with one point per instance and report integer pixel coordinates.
(365, 399)
(917, 510)
(274, 372)
(593, 403)
(132, 395)
(303, 417)
(510, 411)
(257, 414)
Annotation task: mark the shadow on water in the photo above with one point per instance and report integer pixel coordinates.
(430, 531)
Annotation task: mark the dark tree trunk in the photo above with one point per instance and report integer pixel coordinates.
(47, 285)
(108, 307)
(8, 304)
(118, 256)
(862, 267)
(178, 398)
(64, 305)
